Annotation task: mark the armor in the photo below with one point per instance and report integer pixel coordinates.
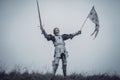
(60, 51)
(59, 47)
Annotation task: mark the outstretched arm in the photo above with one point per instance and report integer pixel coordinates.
(70, 36)
(77, 33)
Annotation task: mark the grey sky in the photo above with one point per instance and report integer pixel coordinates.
(22, 43)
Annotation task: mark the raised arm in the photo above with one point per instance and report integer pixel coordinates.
(70, 36)
(48, 36)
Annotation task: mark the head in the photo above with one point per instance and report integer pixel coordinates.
(56, 31)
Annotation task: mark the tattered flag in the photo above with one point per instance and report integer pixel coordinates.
(94, 18)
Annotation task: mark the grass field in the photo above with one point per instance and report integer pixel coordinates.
(14, 75)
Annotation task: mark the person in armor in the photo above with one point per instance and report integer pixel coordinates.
(60, 50)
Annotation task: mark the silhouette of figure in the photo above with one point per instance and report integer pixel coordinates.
(60, 50)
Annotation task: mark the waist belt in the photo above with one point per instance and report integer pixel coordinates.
(58, 44)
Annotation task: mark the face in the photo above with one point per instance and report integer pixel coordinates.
(56, 31)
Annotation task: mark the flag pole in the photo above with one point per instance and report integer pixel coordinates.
(83, 23)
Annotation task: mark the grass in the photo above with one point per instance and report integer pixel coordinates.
(15, 75)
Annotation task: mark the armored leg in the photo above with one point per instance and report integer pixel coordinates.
(55, 66)
(55, 69)
(64, 65)
(64, 70)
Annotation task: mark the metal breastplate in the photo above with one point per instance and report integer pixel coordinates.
(59, 47)
(59, 41)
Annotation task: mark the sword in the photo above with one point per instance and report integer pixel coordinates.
(40, 21)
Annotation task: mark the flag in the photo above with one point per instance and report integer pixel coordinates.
(94, 18)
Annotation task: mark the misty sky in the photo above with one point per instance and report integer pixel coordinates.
(21, 41)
